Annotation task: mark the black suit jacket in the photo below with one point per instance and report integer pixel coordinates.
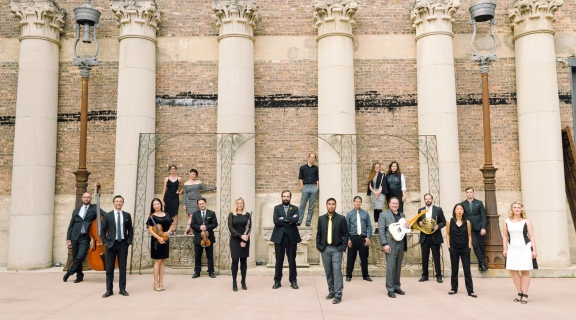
(108, 231)
(211, 224)
(438, 216)
(340, 233)
(76, 222)
(286, 224)
(478, 215)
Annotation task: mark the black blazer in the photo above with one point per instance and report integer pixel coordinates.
(438, 216)
(382, 179)
(340, 233)
(286, 224)
(478, 215)
(76, 222)
(211, 224)
(108, 231)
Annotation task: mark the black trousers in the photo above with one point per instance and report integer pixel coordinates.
(290, 250)
(120, 250)
(426, 246)
(478, 245)
(79, 250)
(358, 247)
(464, 255)
(198, 258)
(377, 213)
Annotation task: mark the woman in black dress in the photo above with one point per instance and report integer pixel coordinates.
(159, 248)
(459, 239)
(396, 184)
(239, 224)
(171, 194)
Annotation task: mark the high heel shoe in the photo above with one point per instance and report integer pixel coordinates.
(244, 287)
(157, 289)
(519, 297)
(234, 286)
(522, 301)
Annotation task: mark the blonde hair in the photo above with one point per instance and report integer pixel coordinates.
(522, 213)
(235, 206)
(373, 172)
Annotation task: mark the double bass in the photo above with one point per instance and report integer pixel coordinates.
(97, 251)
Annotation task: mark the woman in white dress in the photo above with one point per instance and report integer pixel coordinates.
(519, 249)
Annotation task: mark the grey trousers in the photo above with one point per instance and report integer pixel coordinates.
(394, 267)
(332, 261)
(309, 193)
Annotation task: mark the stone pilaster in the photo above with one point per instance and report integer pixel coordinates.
(136, 112)
(236, 20)
(541, 162)
(34, 162)
(334, 20)
(437, 113)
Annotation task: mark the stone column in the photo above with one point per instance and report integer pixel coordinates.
(541, 163)
(138, 21)
(334, 20)
(437, 113)
(34, 162)
(236, 20)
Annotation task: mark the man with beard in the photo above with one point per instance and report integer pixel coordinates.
(431, 241)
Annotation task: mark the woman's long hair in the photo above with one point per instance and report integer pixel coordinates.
(522, 214)
(397, 173)
(235, 206)
(454, 211)
(373, 172)
(152, 205)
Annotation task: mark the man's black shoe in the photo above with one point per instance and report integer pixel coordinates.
(399, 291)
(294, 285)
(391, 294)
(424, 278)
(330, 296)
(124, 293)
(307, 224)
(212, 275)
(368, 279)
(348, 278)
(107, 294)
(78, 280)
(276, 285)
(336, 300)
(439, 279)
(484, 268)
(195, 275)
(66, 276)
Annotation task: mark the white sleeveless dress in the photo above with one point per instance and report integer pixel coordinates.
(519, 252)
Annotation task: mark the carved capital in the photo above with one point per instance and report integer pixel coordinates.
(335, 17)
(235, 18)
(39, 19)
(136, 18)
(532, 16)
(430, 17)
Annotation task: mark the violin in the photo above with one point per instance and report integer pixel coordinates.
(205, 242)
(97, 252)
(159, 230)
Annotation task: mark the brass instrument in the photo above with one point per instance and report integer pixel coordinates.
(427, 226)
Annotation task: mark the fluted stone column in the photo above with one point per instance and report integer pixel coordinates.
(236, 21)
(34, 162)
(334, 20)
(136, 112)
(541, 163)
(437, 113)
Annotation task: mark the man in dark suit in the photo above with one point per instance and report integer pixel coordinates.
(286, 238)
(431, 241)
(117, 235)
(77, 236)
(203, 220)
(394, 250)
(475, 213)
(331, 240)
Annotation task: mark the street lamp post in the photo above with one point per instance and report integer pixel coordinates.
(86, 18)
(484, 11)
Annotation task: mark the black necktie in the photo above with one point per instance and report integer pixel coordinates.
(118, 228)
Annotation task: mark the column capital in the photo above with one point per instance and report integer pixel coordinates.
(430, 17)
(136, 18)
(532, 16)
(335, 17)
(39, 19)
(235, 18)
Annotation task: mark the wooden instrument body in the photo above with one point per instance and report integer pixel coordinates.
(161, 233)
(97, 253)
(205, 242)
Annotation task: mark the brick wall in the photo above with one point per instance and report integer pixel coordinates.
(8, 88)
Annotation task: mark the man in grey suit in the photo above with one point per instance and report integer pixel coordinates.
(475, 213)
(393, 249)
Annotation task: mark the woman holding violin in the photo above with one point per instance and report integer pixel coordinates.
(160, 227)
(239, 224)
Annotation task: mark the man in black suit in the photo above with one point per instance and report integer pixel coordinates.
(475, 213)
(117, 235)
(431, 241)
(286, 238)
(203, 220)
(331, 240)
(77, 236)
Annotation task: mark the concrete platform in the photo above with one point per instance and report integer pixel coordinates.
(43, 295)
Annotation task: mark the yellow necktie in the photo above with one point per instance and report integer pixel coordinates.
(329, 236)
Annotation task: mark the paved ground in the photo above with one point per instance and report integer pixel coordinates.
(43, 295)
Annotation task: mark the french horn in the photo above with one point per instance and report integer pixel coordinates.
(427, 226)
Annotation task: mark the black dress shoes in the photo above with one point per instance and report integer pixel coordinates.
(424, 278)
(107, 294)
(78, 280)
(124, 293)
(368, 279)
(244, 287)
(336, 300)
(196, 275)
(330, 296)
(234, 286)
(307, 224)
(439, 279)
(276, 285)
(294, 285)
(391, 294)
(484, 268)
(212, 275)
(66, 276)
(348, 278)
(399, 291)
